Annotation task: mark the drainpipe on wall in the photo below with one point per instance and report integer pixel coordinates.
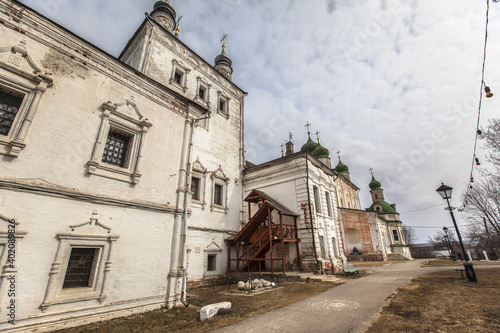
(185, 211)
(310, 210)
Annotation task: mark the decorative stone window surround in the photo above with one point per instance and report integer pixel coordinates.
(55, 294)
(179, 67)
(200, 172)
(219, 177)
(223, 97)
(20, 75)
(201, 83)
(212, 249)
(113, 118)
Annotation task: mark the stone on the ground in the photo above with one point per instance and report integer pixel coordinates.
(208, 311)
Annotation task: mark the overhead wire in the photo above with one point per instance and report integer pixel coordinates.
(475, 160)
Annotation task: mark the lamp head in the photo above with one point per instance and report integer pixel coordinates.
(488, 92)
(444, 191)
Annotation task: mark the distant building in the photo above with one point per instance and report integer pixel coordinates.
(328, 228)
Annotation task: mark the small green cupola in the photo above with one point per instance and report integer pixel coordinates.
(375, 184)
(376, 190)
(310, 145)
(341, 167)
(320, 151)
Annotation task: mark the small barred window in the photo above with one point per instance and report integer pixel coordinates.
(81, 268)
(195, 188)
(218, 195)
(211, 263)
(116, 149)
(9, 106)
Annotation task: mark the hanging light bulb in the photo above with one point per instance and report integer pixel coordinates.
(488, 92)
(477, 161)
(480, 134)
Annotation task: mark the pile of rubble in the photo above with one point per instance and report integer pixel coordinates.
(255, 284)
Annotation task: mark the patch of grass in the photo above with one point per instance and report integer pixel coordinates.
(442, 302)
(188, 319)
(449, 262)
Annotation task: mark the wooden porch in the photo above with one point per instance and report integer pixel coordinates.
(259, 236)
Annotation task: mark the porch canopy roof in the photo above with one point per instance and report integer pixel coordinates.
(257, 196)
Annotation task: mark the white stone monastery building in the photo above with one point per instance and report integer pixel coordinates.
(122, 179)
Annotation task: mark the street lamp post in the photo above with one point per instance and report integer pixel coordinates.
(445, 192)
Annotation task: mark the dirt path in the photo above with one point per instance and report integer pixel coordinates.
(351, 307)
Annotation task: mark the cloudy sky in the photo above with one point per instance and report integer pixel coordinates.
(394, 85)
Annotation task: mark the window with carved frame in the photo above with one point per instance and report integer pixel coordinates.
(223, 104)
(219, 191)
(21, 88)
(179, 75)
(118, 148)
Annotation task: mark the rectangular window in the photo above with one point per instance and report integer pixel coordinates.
(395, 234)
(9, 105)
(328, 204)
(116, 148)
(201, 92)
(195, 188)
(81, 267)
(218, 195)
(317, 201)
(222, 105)
(211, 263)
(178, 77)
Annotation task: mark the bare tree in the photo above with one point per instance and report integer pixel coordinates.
(483, 197)
(408, 235)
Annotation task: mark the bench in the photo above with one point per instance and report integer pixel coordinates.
(461, 271)
(349, 269)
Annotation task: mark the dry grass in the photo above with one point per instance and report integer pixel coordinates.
(188, 319)
(442, 302)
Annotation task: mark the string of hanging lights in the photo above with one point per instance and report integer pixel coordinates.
(479, 132)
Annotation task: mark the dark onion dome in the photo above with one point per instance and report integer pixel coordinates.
(387, 208)
(320, 152)
(341, 167)
(375, 184)
(223, 59)
(309, 146)
(166, 7)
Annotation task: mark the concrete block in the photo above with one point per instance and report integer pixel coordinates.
(208, 311)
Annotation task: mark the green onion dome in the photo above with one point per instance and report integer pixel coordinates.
(309, 146)
(341, 167)
(321, 152)
(375, 184)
